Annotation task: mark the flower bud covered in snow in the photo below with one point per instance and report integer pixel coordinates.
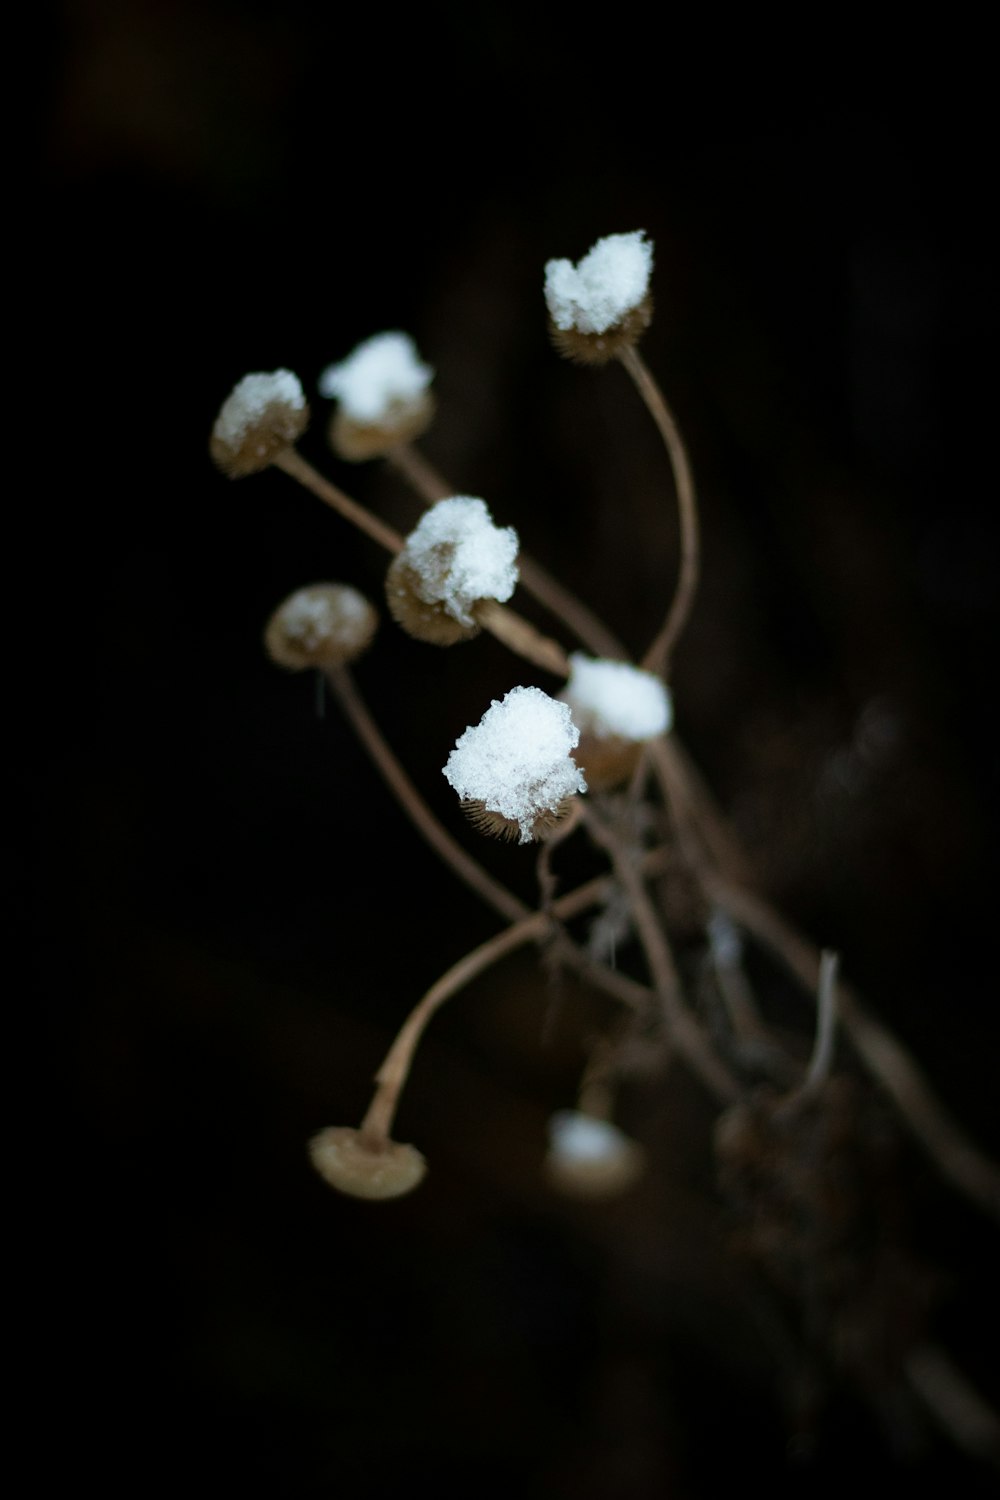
(514, 770)
(382, 394)
(601, 305)
(617, 708)
(322, 625)
(262, 415)
(353, 1164)
(454, 558)
(591, 1158)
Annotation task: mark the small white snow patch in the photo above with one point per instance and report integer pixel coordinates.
(613, 698)
(517, 759)
(460, 557)
(382, 373)
(576, 1137)
(609, 282)
(248, 402)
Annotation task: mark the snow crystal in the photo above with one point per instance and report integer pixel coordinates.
(609, 282)
(613, 698)
(576, 1137)
(460, 557)
(383, 372)
(517, 759)
(250, 400)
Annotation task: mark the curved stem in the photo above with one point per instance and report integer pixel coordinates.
(657, 658)
(393, 1073)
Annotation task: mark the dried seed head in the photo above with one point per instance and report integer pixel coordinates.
(591, 1158)
(382, 395)
(353, 1164)
(603, 304)
(545, 822)
(514, 770)
(454, 559)
(617, 708)
(322, 625)
(262, 415)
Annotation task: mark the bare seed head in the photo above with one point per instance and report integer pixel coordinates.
(354, 1164)
(487, 820)
(263, 414)
(322, 625)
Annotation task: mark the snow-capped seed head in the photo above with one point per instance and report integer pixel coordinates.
(262, 415)
(602, 304)
(617, 708)
(454, 559)
(353, 1164)
(516, 765)
(382, 394)
(322, 625)
(591, 1158)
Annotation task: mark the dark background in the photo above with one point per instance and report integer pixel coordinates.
(228, 918)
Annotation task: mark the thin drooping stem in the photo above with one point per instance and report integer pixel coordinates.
(393, 1073)
(535, 580)
(416, 809)
(683, 1030)
(657, 658)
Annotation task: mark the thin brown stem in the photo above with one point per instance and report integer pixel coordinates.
(419, 473)
(657, 658)
(291, 462)
(521, 637)
(395, 1069)
(682, 1027)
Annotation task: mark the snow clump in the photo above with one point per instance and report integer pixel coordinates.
(517, 759)
(611, 281)
(380, 375)
(457, 557)
(612, 698)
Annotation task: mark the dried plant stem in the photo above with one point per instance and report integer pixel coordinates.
(957, 1405)
(965, 1166)
(514, 631)
(657, 658)
(535, 580)
(684, 1031)
(826, 1022)
(395, 1069)
(291, 462)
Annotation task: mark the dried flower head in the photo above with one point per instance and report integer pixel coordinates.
(355, 1164)
(454, 558)
(591, 1158)
(383, 398)
(262, 415)
(603, 304)
(617, 708)
(322, 625)
(514, 770)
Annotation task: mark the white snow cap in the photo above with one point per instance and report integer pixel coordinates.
(250, 400)
(610, 281)
(460, 557)
(383, 372)
(612, 698)
(315, 614)
(576, 1137)
(517, 759)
